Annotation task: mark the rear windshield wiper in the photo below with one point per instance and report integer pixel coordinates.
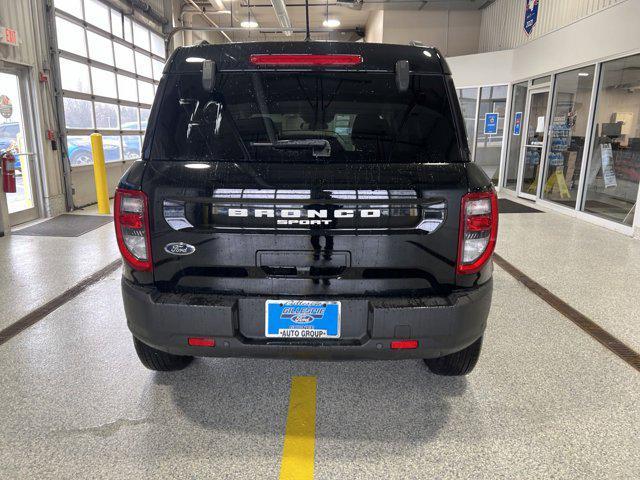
(319, 147)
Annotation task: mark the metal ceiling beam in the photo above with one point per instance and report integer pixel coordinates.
(260, 29)
(282, 15)
(208, 19)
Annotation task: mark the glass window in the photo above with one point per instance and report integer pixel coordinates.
(518, 104)
(107, 116)
(157, 44)
(468, 104)
(145, 90)
(611, 188)
(74, 76)
(112, 148)
(236, 122)
(128, 34)
(144, 118)
(74, 7)
(97, 13)
(124, 57)
(78, 113)
(79, 150)
(157, 69)
(143, 65)
(127, 88)
(104, 83)
(493, 101)
(567, 132)
(116, 23)
(129, 118)
(132, 146)
(100, 48)
(541, 80)
(141, 37)
(70, 37)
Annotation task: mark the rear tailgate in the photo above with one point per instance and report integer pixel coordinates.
(305, 230)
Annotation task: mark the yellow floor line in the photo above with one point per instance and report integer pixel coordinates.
(300, 436)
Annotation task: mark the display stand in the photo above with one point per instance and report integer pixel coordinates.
(559, 146)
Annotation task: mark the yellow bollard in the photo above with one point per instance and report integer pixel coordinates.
(100, 173)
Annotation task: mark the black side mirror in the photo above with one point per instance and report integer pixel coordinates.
(402, 75)
(208, 75)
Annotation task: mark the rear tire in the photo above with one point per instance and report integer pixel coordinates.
(458, 363)
(159, 361)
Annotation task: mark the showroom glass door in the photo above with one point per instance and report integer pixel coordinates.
(534, 144)
(15, 136)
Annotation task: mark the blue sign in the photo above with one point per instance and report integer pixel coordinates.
(530, 15)
(517, 123)
(299, 319)
(490, 123)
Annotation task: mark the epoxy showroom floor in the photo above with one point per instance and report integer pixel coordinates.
(545, 401)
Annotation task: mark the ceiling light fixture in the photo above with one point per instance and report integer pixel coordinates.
(583, 74)
(330, 22)
(248, 23)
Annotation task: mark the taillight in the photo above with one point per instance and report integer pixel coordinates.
(478, 230)
(305, 59)
(132, 228)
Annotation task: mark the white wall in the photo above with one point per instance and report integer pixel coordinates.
(84, 187)
(492, 68)
(374, 27)
(27, 17)
(610, 32)
(452, 32)
(503, 21)
(613, 31)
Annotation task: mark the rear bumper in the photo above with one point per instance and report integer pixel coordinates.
(442, 325)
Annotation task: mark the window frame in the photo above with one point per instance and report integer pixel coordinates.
(133, 75)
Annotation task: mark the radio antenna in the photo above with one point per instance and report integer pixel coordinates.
(306, 11)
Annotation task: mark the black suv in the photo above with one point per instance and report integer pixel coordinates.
(306, 200)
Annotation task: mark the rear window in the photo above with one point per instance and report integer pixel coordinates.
(296, 116)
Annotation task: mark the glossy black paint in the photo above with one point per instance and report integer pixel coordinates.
(380, 262)
(376, 57)
(366, 268)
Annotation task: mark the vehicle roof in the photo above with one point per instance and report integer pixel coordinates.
(376, 56)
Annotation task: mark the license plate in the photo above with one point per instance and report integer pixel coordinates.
(302, 319)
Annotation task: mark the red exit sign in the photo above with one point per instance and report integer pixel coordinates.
(8, 36)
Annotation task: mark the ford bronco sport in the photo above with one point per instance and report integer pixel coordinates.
(306, 200)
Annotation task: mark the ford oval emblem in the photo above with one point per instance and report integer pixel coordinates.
(179, 248)
(302, 318)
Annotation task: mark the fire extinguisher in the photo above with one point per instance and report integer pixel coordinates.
(8, 173)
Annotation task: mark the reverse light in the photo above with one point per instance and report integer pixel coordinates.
(404, 344)
(131, 218)
(306, 59)
(478, 231)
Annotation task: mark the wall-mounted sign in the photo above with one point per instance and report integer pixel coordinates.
(517, 123)
(490, 123)
(8, 36)
(530, 15)
(6, 107)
